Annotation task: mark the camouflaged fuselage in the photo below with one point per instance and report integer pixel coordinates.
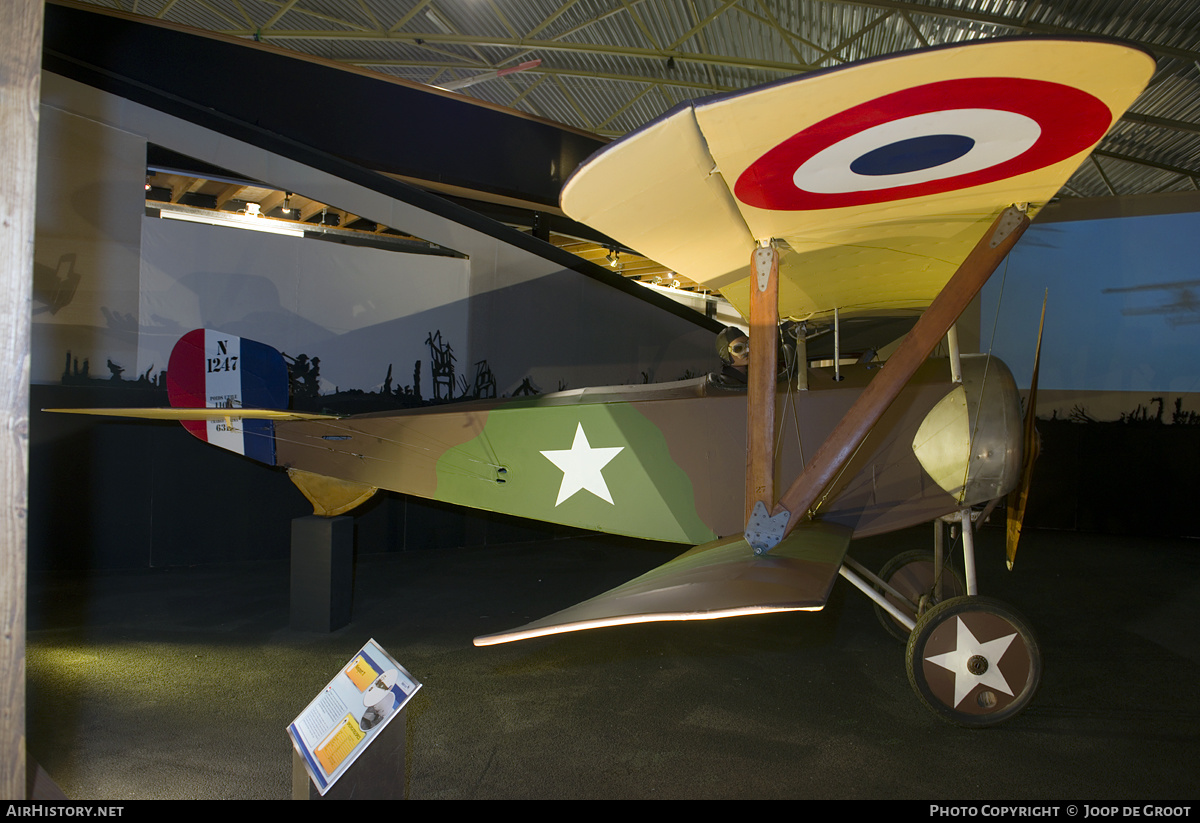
(667, 461)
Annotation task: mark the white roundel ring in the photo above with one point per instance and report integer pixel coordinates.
(924, 140)
(918, 149)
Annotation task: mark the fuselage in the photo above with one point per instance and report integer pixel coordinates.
(667, 461)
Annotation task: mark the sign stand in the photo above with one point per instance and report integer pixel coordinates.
(378, 774)
(345, 740)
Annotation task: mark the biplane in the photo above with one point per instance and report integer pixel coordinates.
(874, 189)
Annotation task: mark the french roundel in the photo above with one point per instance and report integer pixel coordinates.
(930, 139)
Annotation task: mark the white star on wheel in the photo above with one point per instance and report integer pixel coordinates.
(581, 465)
(966, 648)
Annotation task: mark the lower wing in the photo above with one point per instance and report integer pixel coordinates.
(724, 578)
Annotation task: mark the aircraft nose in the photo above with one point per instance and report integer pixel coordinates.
(970, 441)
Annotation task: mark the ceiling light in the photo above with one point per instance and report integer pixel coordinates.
(236, 221)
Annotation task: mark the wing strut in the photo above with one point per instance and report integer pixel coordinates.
(764, 355)
(846, 437)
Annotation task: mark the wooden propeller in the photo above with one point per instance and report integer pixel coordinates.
(1020, 495)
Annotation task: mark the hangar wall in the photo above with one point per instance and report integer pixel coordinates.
(115, 286)
(1121, 318)
(370, 119)
(1119, 390)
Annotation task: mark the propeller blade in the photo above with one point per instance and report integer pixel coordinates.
(1020, 496)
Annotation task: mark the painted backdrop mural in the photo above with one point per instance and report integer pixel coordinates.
(1122, 315)
(357, 311)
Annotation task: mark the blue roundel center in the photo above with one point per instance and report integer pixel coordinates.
(913, 154)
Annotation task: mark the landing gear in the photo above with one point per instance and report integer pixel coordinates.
(973, 661)
(912, 586)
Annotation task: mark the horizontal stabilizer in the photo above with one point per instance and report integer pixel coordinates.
(723, 578)
(199, 414)
(225, 390)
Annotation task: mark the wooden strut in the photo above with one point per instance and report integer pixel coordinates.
(20, 73)
(849, 434)
(764, 355)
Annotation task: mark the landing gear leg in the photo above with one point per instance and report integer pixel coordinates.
(915, 582)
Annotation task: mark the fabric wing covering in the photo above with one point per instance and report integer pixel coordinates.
(876, 178)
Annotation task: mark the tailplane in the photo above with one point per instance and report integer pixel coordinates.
(224, 389)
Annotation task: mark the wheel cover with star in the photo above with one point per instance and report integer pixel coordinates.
(911, 574)
(974, 661)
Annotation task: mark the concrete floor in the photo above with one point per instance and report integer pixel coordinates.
(179, 683)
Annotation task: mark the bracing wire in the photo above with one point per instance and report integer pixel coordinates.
(983, 386)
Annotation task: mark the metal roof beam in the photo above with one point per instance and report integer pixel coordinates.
(1103, 177)
(284, 9)
(625, 107)
(713, 15)
(1161, 122)
(409, 15)
(768, 19)
(557, 13)
(1017, 23)
(290, 5)
(544, 72)
(543, 44)
(1149, 163)
(832, 54)
(641, 24)
(548, 45)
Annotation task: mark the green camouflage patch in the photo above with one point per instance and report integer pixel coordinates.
(600, 466)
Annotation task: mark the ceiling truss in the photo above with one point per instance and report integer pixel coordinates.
(609, 66)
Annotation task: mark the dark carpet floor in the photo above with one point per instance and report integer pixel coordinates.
(179, 683)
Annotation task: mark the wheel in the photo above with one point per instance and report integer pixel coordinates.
(911, 574)
(973, 661)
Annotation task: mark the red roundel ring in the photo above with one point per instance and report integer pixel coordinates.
(930, 139)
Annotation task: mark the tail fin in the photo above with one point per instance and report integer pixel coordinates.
(211, 369)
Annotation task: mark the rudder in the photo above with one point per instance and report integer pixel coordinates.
(216, 370)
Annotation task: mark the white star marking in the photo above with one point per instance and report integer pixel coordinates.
(581, 465)
(966, 648)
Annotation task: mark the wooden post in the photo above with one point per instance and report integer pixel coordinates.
(764, 356)
(846, 437)
(20, 82)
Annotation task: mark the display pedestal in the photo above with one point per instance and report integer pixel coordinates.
(322, 572)
(378, 774)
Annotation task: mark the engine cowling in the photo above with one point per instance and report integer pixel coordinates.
(970, 442)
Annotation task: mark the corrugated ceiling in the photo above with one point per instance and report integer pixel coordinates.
(609, 66)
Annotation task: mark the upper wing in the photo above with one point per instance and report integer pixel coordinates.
(879, 177)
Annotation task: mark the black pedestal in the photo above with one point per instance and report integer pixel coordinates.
(378, 774)
(322, 572)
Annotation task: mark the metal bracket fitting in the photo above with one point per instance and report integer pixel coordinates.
(764, 532)
(763, 257)
(1010, 218)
